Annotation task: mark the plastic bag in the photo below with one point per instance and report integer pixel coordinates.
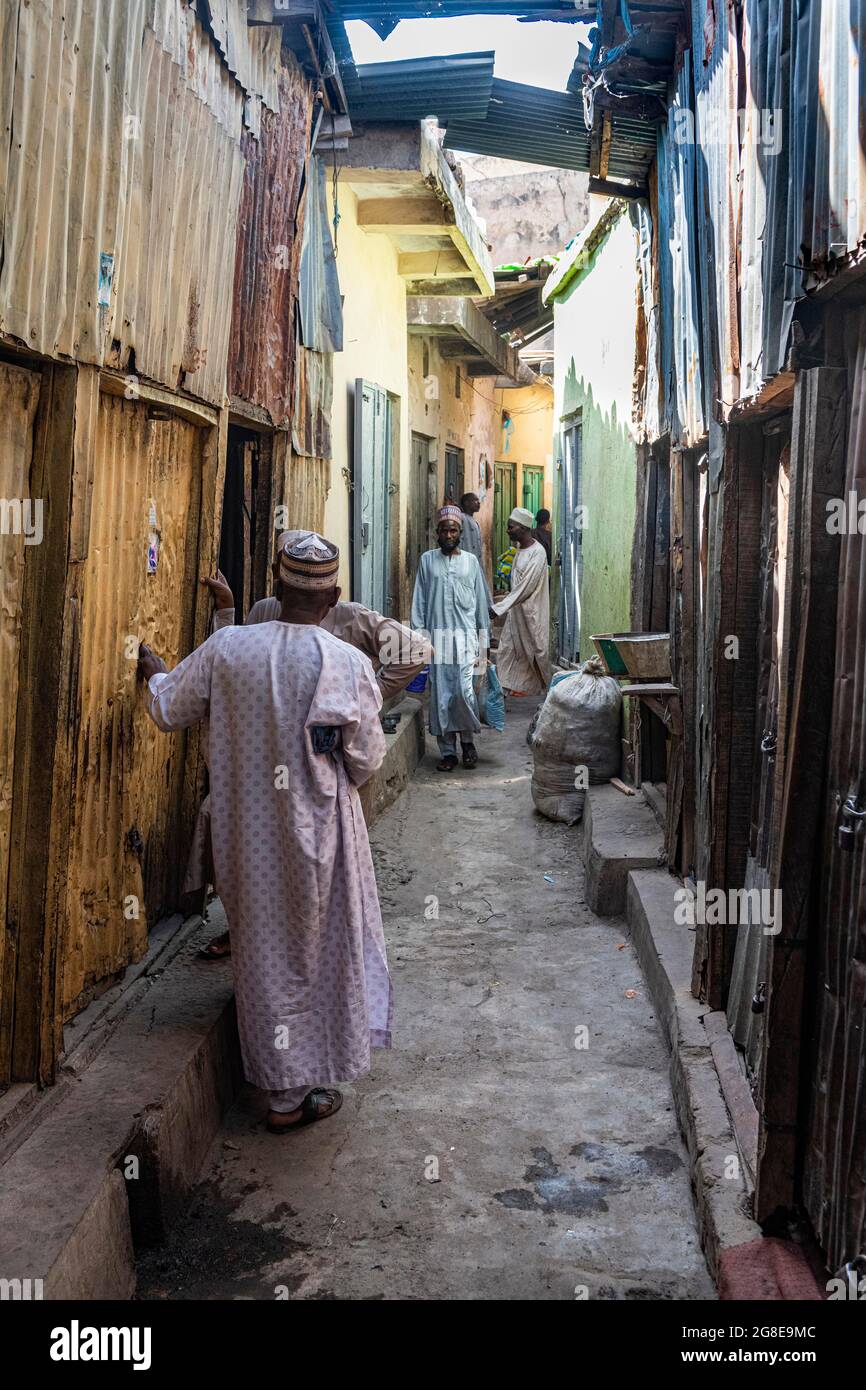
(578, 726)
(491, 701)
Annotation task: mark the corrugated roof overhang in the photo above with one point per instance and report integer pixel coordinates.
(453, 86)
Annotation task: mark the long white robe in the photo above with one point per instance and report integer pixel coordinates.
(290, 844)
(449, 603)
(522, 657)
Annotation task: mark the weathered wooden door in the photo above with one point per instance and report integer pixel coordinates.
(834, 1183)
(371, 496)
(503, 506)
(453, 474)
(19, 398)
(533, 487)
(128, 836)
(419, 530)
(748, 977)
(570, 540)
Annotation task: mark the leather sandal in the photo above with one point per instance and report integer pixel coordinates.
(470, 757)
(448, 763)
(218, 948)
(318, 1104)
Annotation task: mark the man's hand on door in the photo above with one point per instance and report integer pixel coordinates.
(149, 664)
(219, 589)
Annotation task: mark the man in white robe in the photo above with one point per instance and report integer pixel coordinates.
(522, 658)
(449, 604)
(294, 730)
(397, 654)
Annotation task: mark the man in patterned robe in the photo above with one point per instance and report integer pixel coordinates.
(294, 730)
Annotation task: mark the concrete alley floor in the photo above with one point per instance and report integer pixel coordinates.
(485, 1156)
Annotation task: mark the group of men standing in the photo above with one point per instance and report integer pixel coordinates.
(290, 701)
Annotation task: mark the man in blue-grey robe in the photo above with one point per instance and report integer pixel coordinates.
(450, 606)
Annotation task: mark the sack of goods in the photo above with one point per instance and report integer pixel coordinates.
(575, 739)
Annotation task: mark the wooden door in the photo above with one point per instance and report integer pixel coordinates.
(453, 474)
(371, 506)
(503, 506)
(419, 531)
(570, 541)
(533, 487)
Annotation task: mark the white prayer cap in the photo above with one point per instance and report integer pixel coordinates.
(309, 562)
(522, 517)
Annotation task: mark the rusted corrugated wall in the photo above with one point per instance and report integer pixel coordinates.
(124, 777)
(124, 175)
(262, 346)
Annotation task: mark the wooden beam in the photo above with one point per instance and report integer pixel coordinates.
(42, 796)
(806, 679)
(610, 189)
(402, 216)
(604, 155)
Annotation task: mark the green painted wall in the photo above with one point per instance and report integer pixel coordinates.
(594, 320)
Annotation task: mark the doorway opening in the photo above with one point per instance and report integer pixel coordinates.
(245, 532)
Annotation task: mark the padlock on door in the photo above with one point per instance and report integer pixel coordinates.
(848, 829)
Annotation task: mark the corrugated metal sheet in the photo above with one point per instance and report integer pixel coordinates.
(252, 55)
(715, 75)
(262, 350)
(384, 14)
(527, 123)
(19, 397)
(681, 337)
(126, 786)
(647, 405)
(123, 184)
(177, 253)
(804, 188)
(452, 87)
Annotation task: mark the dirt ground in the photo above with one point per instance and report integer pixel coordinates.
(518, 1142)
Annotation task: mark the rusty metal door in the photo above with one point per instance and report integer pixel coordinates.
(128, 839)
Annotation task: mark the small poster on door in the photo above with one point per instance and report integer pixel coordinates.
(152, 541)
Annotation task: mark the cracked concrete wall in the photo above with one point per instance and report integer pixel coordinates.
(529, 210)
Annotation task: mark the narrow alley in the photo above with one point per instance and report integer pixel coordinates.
(486, 1156)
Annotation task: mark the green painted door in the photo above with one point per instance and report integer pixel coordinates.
(533, 487)
(503, 506)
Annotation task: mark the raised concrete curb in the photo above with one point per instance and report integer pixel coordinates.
(620, 833)
(111, 1158)
(743, 1263)
(100, 1166)
(405, 749)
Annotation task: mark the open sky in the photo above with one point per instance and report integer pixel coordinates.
(539, 54)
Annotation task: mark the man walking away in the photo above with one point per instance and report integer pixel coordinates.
(522, 663)
(294, 730)
(470, 536)
(397, 654)
(542, 531)
(450, 605)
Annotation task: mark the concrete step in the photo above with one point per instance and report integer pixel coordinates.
(708, 1087)
(620, 833)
